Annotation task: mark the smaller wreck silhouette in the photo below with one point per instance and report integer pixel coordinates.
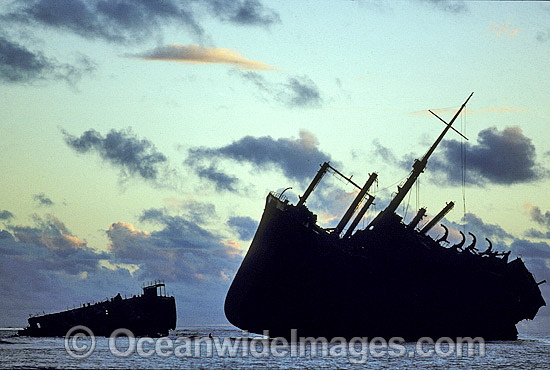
(152, 313)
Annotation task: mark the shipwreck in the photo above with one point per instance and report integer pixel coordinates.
(152, 313)
(389, 279)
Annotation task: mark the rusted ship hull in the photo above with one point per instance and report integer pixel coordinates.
(391, 282)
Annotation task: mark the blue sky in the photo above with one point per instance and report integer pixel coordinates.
(140, 138)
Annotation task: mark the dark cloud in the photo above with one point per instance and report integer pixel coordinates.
(57, 248)
(305, 92)
(20, 65)
(132, 21)
(543, 219)
(122, 21)
(500, 157)
(526, 248)
(247, 12)
(533, 233)
(199, 212)
(297, 92)
(448, 5)
(6, 215)
(221, 180)
(123, 149)
(298, 158)
(42, 200)
(481, 229)
(180, 251)
(475, 223)
(384, 153)
(539, 217)
(244, 226)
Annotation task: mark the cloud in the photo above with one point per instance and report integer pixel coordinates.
(123, 149)
(539, 217)
(383, 152)
(133, 21)
(448, 5)
(20, 65)
(180, 251)
(500, 157)
(533, 233)
(57, 247)
(245, 227)
(6, 215)
(220, 179)
(196, 211)
(248, 12)
(298, 158)
(304, 92)
(475, 223)
(42, 200)
(297, 92)
(201, 54)
(503, 30)
(528, 249)
(120, 21)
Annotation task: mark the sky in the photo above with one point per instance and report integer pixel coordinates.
(140, 138)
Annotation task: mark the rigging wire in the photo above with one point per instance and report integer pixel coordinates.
(407, 208)
(463, 164)
(395, 183)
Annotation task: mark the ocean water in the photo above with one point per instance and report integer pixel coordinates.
(189, 348)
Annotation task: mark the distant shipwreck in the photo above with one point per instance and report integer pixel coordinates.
(388, 280)
(151, 314)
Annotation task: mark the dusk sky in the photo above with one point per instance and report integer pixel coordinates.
(140, 138)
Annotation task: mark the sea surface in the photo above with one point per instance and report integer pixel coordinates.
(189, 348)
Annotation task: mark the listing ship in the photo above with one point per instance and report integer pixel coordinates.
(390, 279)
(152, 313)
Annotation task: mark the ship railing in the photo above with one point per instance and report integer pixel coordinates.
(152, 283)
(279, 196)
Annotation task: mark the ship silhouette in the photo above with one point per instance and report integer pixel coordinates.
(390, 279)
(152, 313)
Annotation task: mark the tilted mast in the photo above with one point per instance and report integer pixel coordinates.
(417, 168)
(437, 218)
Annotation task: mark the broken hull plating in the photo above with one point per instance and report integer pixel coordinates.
(390, 282)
